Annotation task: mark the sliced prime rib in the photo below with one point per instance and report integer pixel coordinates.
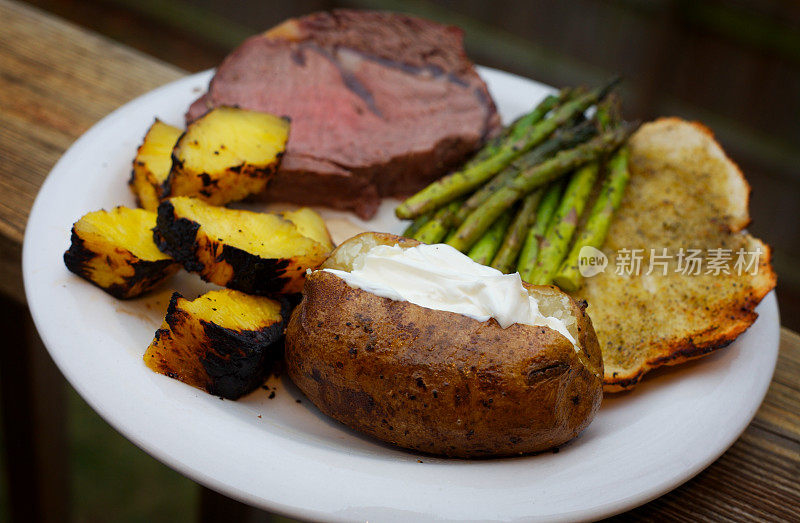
(380, 104)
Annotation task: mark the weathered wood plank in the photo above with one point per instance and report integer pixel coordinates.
(758, 478)
(56, 80)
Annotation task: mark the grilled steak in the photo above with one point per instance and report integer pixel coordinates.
(380, 103)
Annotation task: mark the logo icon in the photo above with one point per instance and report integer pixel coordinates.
(591, 261)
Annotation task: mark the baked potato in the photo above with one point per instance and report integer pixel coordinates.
(441, 382)
(221, 342)
(227, 154)
(257, 253)
(115, 251)
(153, 163)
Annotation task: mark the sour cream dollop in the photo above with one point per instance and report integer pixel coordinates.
(442, 278)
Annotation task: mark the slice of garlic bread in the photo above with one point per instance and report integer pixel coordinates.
(221, 342)
(685, 196)
(152, 164)
(115, 251)
(227, 154)
(257, 253)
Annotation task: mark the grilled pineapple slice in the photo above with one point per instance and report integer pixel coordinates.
(227, 154)
(253, 252)
(221, 342)
(152, 164)
(115, 251)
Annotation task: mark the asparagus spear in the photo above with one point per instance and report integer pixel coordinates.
(436, 228)
(544, 214)
(482, 194)
(506, 258)
(562, 139)
(560, 231)
(609, 113)
(515, 130)
(608, 116)
(465, 180)
(417, 224)
(485, 248)
(526, 181)
(491, 158)
(596, 227)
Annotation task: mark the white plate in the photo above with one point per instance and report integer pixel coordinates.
(286, 456)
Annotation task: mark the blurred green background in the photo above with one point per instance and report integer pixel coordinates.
(734, 65)
(112, 480)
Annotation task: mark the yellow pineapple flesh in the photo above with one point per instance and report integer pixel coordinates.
(152, 164)
(258, 253)
(115, 251)
(227, 154)
(221, 342)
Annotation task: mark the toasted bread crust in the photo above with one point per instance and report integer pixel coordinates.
(684, 193)
(741, 218)
(738, 315)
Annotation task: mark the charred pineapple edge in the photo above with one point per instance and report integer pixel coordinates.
(181, 238)
(147, 274)
(234, 361)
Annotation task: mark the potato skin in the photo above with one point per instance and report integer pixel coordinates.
(439, 382)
